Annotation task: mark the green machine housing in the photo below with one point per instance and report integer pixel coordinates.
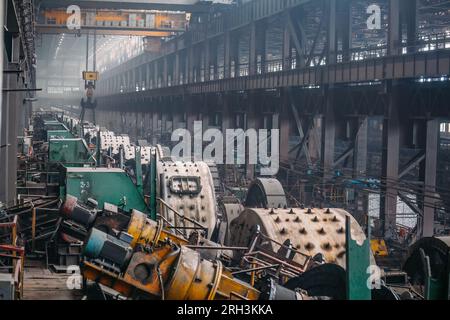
(58, 134)
(54, 125)
(70, 152)
(109, 185)
(56, 129)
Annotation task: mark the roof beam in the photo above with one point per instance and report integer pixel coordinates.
(111, 31)
(194, 6)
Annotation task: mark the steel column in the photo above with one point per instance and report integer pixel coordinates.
(360, 150)
(155, 128)
(227, 54)
(156, 74)
(165, 72)
(394, 29)
(176, 72)
(253, 50)
(345, 18)
(284, 127)
(207, 60)
(4, 123)
(287, 51)
(253, 122)
(190, 65)
(328, 135)
(332, 43)
(227, 117)
(148, 76)
(360, 170)
(410, 7)
(432, 147)
(390, 165)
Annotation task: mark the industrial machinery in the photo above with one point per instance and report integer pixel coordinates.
(70, 152)
(428, 268)
(229, 209)
(266, 193)
(309, 232)
(154, 228)
(187, 188)
(166, 272)
(138, 237)
(109, 185)
(80, 218)
(142, 240)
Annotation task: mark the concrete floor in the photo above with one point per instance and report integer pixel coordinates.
(43, 284)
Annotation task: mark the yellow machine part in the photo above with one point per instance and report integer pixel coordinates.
(147, 232)
(140, 275)
(197, 279)
(183, 275)
(90, 75)
(379, 247)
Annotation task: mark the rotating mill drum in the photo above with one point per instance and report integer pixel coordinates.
(195, 278)
(310, 231)
(188, 188)
(266, 193)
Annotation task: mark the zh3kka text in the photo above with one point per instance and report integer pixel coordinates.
(226, 310)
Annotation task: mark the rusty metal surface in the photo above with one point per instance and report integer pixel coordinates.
(311, 231)
(139, 222)
(198, 279)
(229, 212)
(199, 206)
(266, 193)
(147, 232)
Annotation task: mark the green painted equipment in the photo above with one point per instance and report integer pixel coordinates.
(104, 185)
(57, 129)
(152, 184)
(70, 152)
(357, 264)
(139, 183)
(50, 125)
(59, 134)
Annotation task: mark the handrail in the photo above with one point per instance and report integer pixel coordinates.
(196, 223)
(17, 255)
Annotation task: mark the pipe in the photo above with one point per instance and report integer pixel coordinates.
(138, 171)
(152, 182)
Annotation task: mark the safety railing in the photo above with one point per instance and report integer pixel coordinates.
(281, 263)
(38, 217)
(180, 223)
(358, 65)
(14, 256)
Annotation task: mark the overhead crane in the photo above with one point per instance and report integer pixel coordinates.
(194, 6)
(114, 22)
